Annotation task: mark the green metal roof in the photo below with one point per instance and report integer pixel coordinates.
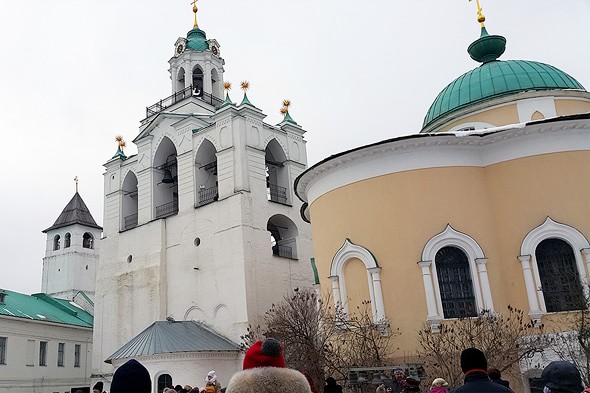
(173, 337)
(42, 307)
(196, 40)
(495, 79)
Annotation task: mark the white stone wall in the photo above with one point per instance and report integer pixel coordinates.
(22, 373)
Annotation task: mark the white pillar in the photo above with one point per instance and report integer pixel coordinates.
(429, 290)
(586, 253)
(531, 291)
(336, 290)
(379, 309)
(484, 282)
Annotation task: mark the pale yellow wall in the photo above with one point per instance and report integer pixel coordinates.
(393, 216)
(357, 288)
(570, 107)
(500, 116)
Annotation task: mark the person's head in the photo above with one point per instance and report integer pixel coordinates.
(131, 377)
(494, 374)
(562, 377)
(473, 359)
(439, 383)
(211, 377)
(412, 384)
(267, 353)
(330, 381)
(399, 374)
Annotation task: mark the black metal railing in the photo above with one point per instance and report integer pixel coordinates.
(130, 221)
(277, 193)
(285, 249)
(208, 195)
(167, 209)
(179, 96)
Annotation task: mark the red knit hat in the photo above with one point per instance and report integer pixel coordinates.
(267, 353)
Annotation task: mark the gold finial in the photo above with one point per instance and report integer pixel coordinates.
(480, 18)
(195, 9)
(227, 86)
(76, 181)
(245, 85)
(286, 103)
(284, 111)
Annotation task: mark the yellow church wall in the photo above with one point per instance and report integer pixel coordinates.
(499, 116)
(569, 107)
(394, 216)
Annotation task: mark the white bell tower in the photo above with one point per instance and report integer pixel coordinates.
(71, 253)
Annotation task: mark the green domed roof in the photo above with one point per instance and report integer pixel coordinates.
(495, 79)
(196, 40)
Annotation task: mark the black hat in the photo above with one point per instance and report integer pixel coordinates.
(563, 377)
(131, 377)
(473, 358)
(98, 386)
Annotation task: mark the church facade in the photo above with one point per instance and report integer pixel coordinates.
(201, 227)
(486, 207)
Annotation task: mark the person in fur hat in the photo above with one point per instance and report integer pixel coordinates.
(264, 371)
(212, 385)
(439, 385)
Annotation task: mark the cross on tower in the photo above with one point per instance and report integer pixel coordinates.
(195, 9)
(76, 180)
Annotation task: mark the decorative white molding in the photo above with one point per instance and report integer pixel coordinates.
(549, 230)
(424, 151)
(347, 252)
(477, 267)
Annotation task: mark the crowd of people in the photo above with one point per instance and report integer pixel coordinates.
(265, 371)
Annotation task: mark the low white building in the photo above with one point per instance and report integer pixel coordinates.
(45, 344)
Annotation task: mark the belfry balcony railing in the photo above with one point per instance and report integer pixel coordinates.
(130, 221)
(277, 193)
(177, 97)
(167, 209)
(285, 249)
(207, 195)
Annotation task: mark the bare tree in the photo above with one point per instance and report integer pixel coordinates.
(321, 339)
(504, 339)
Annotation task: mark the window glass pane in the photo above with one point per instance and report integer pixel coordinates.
(164, 380)
(454, 283)
(43, 353)
(60, 354)
(2, 350)
(560, 280)
(77, 355)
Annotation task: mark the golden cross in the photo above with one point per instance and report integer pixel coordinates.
(195, 9)
(76, 180)
(480, 18)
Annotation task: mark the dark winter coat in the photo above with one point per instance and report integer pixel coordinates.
(478, 382)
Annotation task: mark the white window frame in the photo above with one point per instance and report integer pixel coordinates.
(550, 229)
(347, 252)
(477, 267)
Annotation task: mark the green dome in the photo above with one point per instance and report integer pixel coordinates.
(495, 79)
(196, 40)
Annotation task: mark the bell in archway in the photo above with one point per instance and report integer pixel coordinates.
(167, 176)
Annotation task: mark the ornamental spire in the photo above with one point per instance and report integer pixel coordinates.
(480, 17)
(195, 9)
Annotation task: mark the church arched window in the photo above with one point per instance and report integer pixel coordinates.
(67, 240)
(277, 174)
(560, 279)
(165, 182)
(129, 202)
(180, 80)
(206, 174)
(454, 283)
(88, 240)
(164, 381)
(197, 81)
(283, 236)
(56, 242)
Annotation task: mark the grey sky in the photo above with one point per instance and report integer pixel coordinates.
(75, 73)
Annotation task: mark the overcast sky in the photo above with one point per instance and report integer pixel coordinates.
(75, 73)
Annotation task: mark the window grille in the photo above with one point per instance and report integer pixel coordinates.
(560, 279)
(454, 282)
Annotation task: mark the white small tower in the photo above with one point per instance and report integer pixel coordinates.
(71, 254)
